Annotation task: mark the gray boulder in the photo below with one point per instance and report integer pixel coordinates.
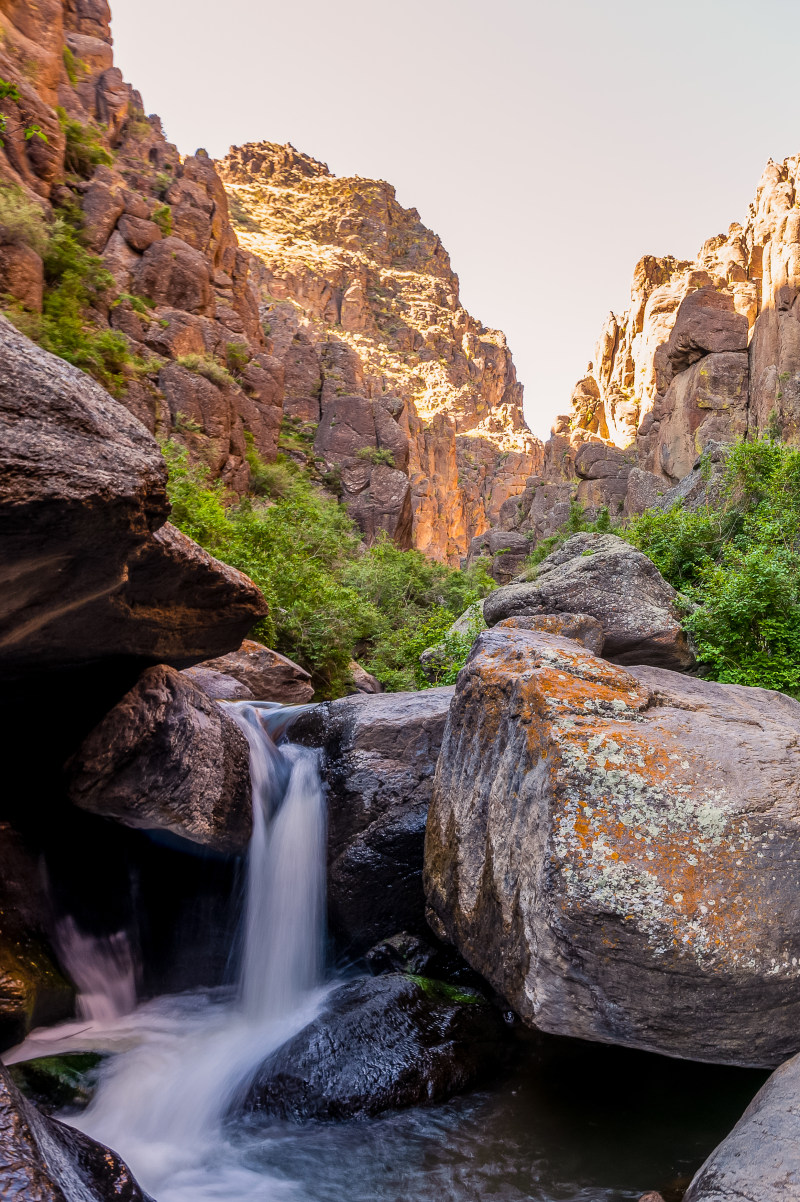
(760, 1159)
(614, 850)
(167, 757)
(217, 685)
(608, 579)
(380, 755)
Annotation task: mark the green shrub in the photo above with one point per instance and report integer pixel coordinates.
(376, 455)
(205, 366)
(737, 560)
(84, 150)
(21, 219)
(10, 91)
(163, 219)
(237, 356)
(72, 65)
(330, 601)
(75, 281)
(576, 523)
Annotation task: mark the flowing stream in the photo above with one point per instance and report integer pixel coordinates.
(567, 1124)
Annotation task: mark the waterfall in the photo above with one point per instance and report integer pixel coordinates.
(163, 1102)
(282, 958)
(102, 967)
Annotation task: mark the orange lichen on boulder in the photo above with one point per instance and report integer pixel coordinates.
(615, 849)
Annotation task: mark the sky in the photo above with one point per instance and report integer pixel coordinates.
(549, 145)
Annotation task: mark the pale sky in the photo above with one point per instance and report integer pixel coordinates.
(549, 145)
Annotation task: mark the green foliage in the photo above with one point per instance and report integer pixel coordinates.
(142, 305)
(204, 365)
(72, 65)
(21, 219)
(75, 281)
(185, 424)
(84, 149)
(448, 649)
(737, 560)
(330, 601)
(163, 219)
(417, 600)
(376, 455)
(237, 356)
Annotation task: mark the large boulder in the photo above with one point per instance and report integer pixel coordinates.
(614, 850)
(167, 757)
(760, 1160)
(608, 579)
(380, 755)
(268, 675)
(43, 1160)
(90, 570)
(381, 1043)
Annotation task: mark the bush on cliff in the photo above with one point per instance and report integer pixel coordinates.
(738, 558)
(330, 601)
(75, 282)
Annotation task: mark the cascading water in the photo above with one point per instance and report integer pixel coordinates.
(102, 968)
(163, 1102)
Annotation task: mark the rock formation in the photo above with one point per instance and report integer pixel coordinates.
(381, 1044)
(364, 313)
(612, 849)
(93, 570)
(379, 757)
(167, 757)
(604, 577)
(43, 1160)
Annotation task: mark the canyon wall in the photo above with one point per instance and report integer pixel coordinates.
(324, 321)
(709, 351)
(362, 307)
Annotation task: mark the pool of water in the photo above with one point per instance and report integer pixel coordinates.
(564, 1121)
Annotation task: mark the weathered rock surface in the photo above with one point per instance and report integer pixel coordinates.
(382, 1043)
(580, 628)
(363, 309)
(91, 571)
(379, 758)
(167, 757)
(217, 685)
(613, 850)
(760, 1159)
(268, 675)
(605, 578)
(43, 1160)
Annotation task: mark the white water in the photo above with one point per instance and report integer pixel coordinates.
(163, 1102)
(102, 968)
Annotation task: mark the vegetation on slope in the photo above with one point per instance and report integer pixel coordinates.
(75, 282)
(737, 559)
(331, 601)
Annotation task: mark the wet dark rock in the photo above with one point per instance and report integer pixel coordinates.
(760, 1160)
(608, 579)
(426, 957)
(53, 1083)
(167, 757)
(43, 1160)
(382, 1043)
(380, 755)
